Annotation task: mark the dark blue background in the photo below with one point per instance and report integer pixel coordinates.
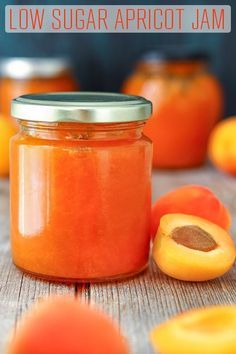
(103, 60)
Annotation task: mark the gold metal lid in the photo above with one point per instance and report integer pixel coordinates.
(29, 68)
(82, 107)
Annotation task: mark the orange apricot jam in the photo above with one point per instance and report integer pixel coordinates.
(80, 186)
(20, 76)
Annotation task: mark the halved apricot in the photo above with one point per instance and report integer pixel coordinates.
(63, 325)
(190, 199)
(209, 330)
(190, 248)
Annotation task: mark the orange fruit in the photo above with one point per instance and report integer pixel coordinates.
(63, 325)
(222, 146)
(7, 130)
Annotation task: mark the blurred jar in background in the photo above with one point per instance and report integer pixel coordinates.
(30, 75)
(187, 102)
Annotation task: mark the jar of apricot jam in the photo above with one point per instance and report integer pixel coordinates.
(80, 186)
(20, 76)
(187, 102)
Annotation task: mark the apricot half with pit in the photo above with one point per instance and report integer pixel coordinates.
(209, 330)
(190, 248)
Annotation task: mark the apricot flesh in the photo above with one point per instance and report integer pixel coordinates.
(190, 248)
(67, 326)
(193, 200)
(209, 330)
(222, 146)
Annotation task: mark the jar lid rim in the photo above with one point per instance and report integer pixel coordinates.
(31, 67)
(81, 107)
(170, 55)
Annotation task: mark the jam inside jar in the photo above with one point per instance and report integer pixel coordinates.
(80, 186)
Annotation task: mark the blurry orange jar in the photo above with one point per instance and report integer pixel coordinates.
(80, 186)
(29, 75)
(187, 102)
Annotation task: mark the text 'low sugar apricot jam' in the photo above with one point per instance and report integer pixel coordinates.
(80, 186)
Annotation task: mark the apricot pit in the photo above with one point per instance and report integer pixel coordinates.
(190, 248)
(194, 237)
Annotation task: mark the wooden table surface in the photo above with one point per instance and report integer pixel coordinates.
(136, 304)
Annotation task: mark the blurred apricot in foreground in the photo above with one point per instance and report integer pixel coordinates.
(190, 248)
(222, 146)
(192, 200)
(209, 330)
(63, 325)
(7, 130)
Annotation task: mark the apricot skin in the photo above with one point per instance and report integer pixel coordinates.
(7, 130)
(183, 263)
(192, 200)
(67, 326)
(222, 146)
(209, 330)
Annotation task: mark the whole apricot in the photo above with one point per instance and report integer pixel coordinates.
(190, 248)
(208, 330)
(7, 130)
(222, 145)
(193, 200)
(63, 325)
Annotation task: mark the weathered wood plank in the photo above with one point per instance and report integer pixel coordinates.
(136, 304)
(141, 303)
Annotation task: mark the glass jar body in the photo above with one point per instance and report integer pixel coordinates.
(80, 200)
(187, 102)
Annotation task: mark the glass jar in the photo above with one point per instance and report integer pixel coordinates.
(81, 186)
(29, 75)
(187, 102)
